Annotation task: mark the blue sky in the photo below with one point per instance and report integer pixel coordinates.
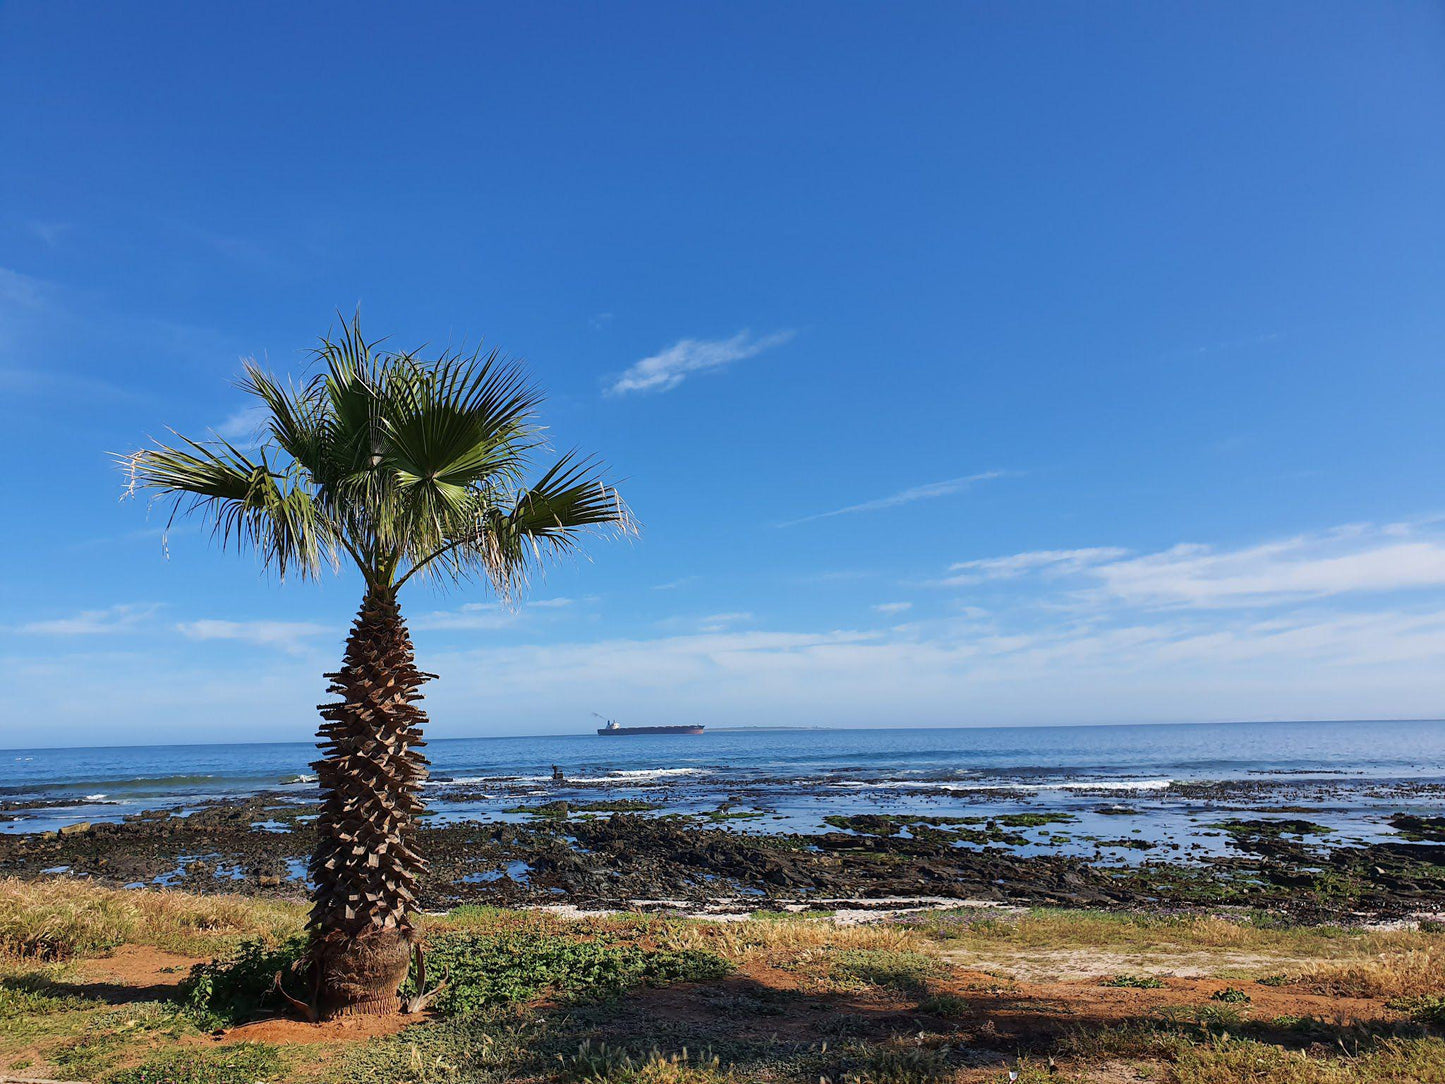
(965, 363)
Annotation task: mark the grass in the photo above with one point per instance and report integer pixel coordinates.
(60, 918)
(599, 1064)
(1231, 995)
(1135, 982)
(1411, 972)
(1230, 1061)
(539, 997)
(242, 1063)
(1142, 932)
(486, 970)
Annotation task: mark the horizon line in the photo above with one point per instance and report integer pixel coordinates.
(586, 734)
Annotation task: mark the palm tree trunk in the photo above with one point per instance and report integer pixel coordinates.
(366, 867)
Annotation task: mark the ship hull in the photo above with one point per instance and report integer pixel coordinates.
(624, 731)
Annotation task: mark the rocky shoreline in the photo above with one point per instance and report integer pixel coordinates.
(623, 855)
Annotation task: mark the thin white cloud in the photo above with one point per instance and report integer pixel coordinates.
(721, 622)
(1352, 559)
(23, 290)
(289, 636)
(50, 232)
(473, 616)
(892, 607)
(1049, 562)
(673, 585)
(931, 490)
(112, 619)
(244, 427)
(666, 370)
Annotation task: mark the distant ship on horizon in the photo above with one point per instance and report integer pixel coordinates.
(614, 727)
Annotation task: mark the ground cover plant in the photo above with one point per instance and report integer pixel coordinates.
(953, 997)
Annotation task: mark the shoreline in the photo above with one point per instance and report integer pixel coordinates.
(629, 854)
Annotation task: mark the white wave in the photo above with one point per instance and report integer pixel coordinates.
(635, 775)
(1113, 784)
(95, 797)
(1082, 784)
(464, 780)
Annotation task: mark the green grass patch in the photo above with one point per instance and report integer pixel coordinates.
(1231, 995)
(1427, 1008)
(506, 968)
(1134, 982)
(243, 1063)
(597, 1063)
(897, 969)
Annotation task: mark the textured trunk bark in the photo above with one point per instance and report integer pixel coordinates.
(366, 867)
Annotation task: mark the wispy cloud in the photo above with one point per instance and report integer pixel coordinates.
(50, 232)
(23, 290)
(92, 622)
(720, 622)
(472, 616)
(666, 370)
(1049, 562)
(469, 617)
(288, 636)
(673, 585)
(244, 427)
(892, 607)
(1351, 559)
(927, 492)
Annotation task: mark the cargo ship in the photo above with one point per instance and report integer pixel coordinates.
(613, 727)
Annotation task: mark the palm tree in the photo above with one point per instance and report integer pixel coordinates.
(409, 468)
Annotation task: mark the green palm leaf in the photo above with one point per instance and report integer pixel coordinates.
(408, 466)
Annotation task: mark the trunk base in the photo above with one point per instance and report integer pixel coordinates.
(360, 976)
(376, 1006)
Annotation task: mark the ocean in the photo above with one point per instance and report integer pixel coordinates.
(1348, 776)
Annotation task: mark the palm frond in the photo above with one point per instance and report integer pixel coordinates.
(246, 503)
(548, 519)
(410, 466)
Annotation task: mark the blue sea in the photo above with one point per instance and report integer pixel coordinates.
(1348, 775)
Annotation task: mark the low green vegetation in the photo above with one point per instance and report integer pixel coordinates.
(241, 1063)
(1135, 982)
(1426, 1008)
(898, 970)
(486, 970)
(235, 988)
(1231, 995)
(779, 997)
(1272, 829)
(1419, 829)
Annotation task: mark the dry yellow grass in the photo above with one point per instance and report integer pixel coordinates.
(1411, 973)
(59, 918)
(1394, 1061)
(733, 941)
(1054, 929)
